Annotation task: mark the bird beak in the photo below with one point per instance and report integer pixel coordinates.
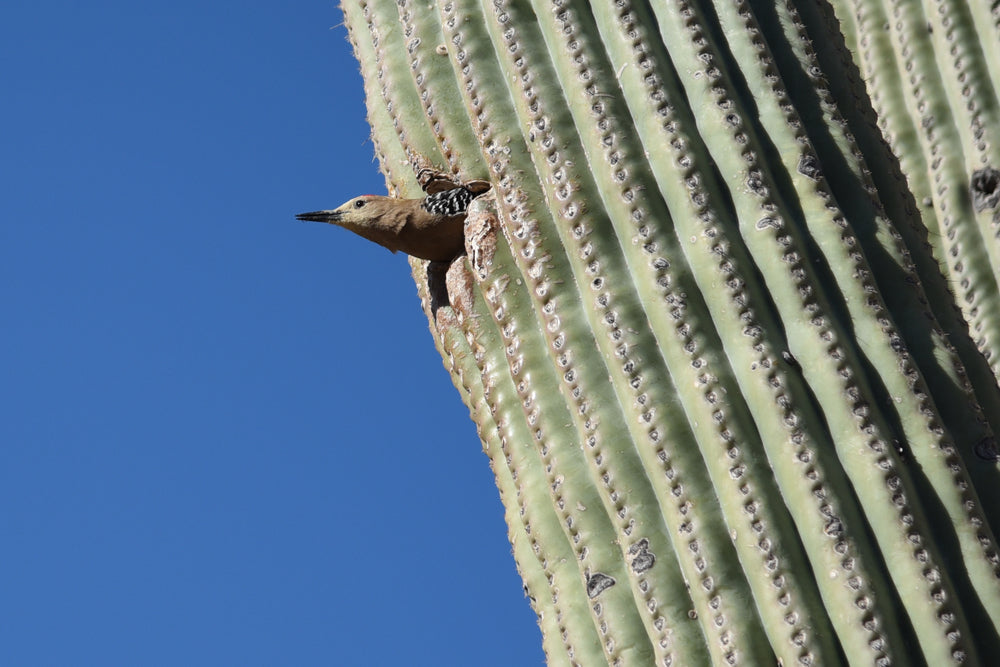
(320, 216)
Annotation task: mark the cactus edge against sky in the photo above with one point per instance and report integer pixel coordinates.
(728, 322)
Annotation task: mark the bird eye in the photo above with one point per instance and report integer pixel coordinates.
(358, 203)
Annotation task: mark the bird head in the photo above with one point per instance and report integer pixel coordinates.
(357, 211)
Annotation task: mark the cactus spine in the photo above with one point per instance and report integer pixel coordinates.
(735, 413)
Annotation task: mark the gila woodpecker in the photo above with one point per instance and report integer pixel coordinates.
(429, 228)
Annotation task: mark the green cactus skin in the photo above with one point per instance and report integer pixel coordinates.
(933, 78)
(705, 326)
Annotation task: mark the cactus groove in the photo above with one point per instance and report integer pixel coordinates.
(728, 322)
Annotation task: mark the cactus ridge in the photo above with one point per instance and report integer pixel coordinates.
(732, 410)
(786, 240)
(438, 91)
(935, 352)
(574, 644)
(572, 550)
(535, 268)
(590, 252)
(616, 156)
(951, 473)
(574, 495)
(966, 241)
(561, 639)
(537, 416)
(730, 277)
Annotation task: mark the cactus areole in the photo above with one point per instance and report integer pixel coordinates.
(727, 319)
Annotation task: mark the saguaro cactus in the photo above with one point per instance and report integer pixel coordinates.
(728, 325)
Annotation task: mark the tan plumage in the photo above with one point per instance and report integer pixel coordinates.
(408, 225)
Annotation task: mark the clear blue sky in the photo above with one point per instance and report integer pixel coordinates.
(226, 437)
